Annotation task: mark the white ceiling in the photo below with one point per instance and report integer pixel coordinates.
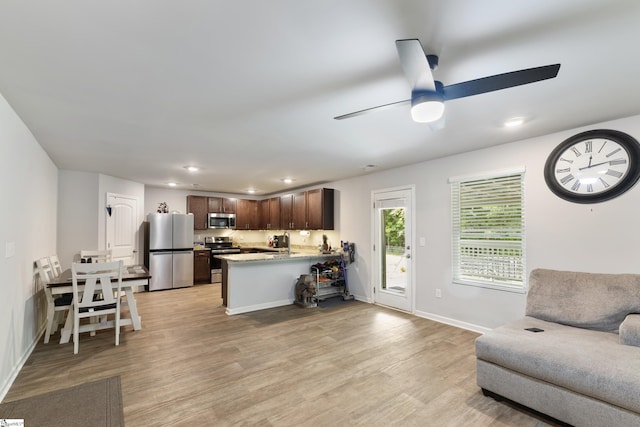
(247, 89)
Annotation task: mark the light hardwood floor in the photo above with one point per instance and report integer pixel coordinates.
(351, 364)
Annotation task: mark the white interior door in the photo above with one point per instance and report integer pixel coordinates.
(122, 228)
(393, 212)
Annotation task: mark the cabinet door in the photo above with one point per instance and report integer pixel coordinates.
(198, 206)
(299, 211)
(264, 214)
(201, 268)
(247, 214)
(222, 205)
(274, 213)
(320, 209)
(229, 206)
(215, 204)
(286, 206)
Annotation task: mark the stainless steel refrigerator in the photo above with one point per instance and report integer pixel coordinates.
(170, 251)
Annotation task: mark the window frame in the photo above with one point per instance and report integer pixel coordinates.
(490, 181)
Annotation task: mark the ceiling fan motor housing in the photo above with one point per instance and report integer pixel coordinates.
(427, 105)
(433, 61)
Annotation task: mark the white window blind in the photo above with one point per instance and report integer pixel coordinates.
(488, 231)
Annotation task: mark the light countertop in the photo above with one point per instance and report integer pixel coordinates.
(278, 256)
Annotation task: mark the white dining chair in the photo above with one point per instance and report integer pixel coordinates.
(55, 265)
(56, 307)
(96, 256)
(96, 279)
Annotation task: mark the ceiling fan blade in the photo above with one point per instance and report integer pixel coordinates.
(500, 81)
(373, 109)
(415, 65)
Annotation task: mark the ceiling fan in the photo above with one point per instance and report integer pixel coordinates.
(428, 95)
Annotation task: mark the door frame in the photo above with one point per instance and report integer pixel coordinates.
(375, 268)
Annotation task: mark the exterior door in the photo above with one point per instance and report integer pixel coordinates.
(122, 228)
(393, 212)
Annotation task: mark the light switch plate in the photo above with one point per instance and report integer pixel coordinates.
(422, 241)
(9, 249)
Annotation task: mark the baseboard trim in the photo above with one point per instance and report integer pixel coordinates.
(273, 304)
(18, 367)
(361, 298)
(256, 307)
(452, 322)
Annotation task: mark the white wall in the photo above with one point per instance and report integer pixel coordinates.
(176, 199)
(77, 214)
(28, 179)
(601, 237)
(81, 212)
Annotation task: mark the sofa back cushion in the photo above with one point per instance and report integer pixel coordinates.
(584, 300)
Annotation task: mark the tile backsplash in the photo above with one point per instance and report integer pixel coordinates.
(307, 239)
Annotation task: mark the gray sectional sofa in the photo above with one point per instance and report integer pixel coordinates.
(583, 368)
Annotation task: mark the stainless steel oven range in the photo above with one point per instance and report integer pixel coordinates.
(218, 246)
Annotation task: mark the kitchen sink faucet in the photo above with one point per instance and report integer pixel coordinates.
(286, 233)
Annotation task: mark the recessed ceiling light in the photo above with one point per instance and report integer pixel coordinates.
(192, 168)
(172, 184)
(251, 191)
(514, 122)
(287, 180)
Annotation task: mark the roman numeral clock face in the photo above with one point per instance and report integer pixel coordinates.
(593, 166)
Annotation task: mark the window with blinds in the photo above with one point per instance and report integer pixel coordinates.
(488, 231)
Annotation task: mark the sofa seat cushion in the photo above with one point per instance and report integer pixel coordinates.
(585, 300)
(592, 363)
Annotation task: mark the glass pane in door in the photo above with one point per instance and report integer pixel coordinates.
(394, 260)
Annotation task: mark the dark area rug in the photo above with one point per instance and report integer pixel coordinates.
(96, 403)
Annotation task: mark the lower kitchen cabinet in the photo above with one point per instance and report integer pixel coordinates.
(201, 267)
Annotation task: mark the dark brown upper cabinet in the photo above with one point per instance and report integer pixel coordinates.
(308, 210)
(222, 205)
(320, 206)
(197, 205)
(247, 215)
(269, 213)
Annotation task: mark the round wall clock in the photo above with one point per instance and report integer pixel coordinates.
(593, 166)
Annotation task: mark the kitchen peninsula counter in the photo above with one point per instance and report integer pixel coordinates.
(257, 281)
(274, 256)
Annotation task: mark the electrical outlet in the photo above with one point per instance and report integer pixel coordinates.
(438, 293)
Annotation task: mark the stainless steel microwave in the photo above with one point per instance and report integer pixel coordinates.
(221, 220)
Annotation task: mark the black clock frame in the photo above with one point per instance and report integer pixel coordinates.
(629, 143)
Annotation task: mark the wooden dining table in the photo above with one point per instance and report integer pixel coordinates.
(133, 278)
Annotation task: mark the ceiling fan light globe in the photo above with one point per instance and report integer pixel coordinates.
(427, 111)
(426, 106)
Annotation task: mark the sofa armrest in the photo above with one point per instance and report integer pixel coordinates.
(630, 330)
